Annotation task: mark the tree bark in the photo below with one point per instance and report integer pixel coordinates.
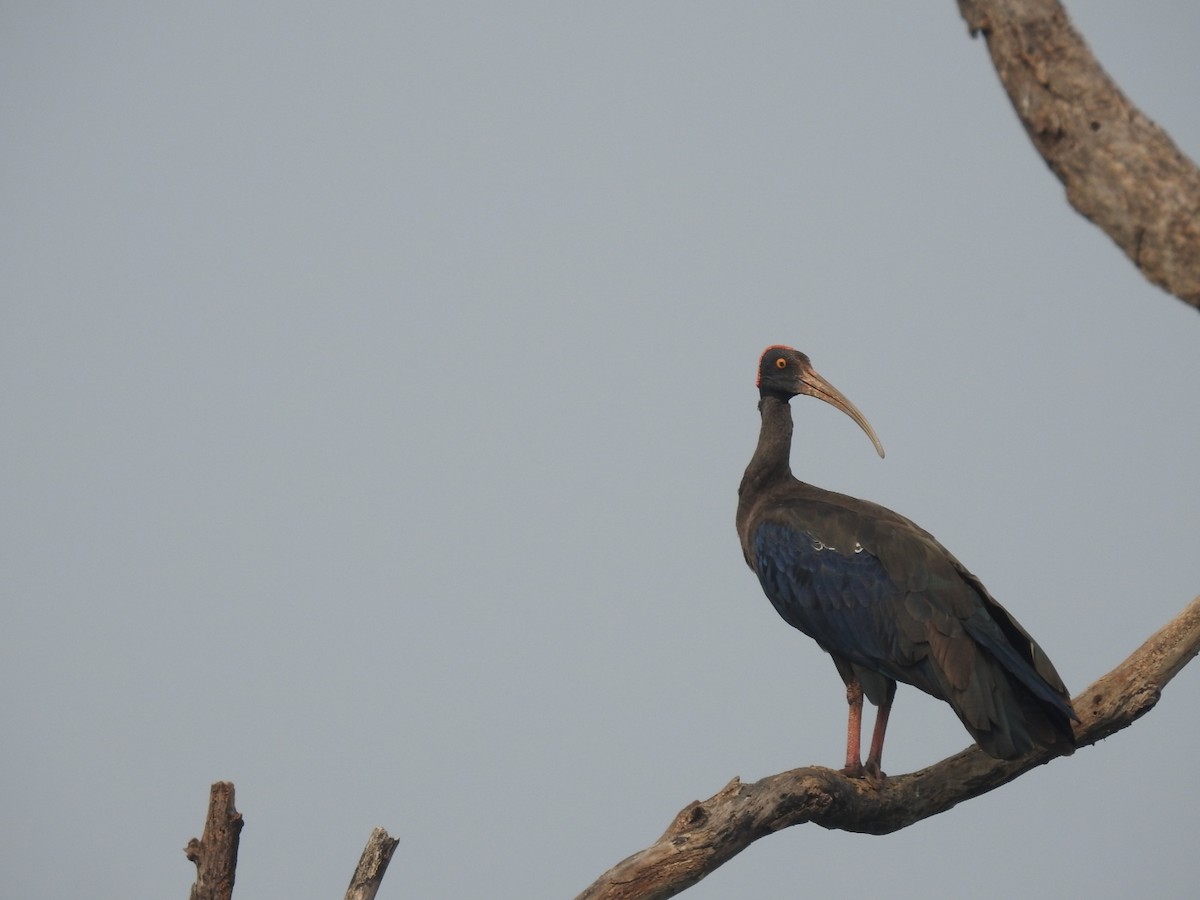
(704, 835)
(1120, 170)
(215, 853)
(372, 866)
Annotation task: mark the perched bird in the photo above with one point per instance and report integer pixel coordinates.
(884, 598)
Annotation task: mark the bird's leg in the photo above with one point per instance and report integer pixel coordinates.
(854, 697)
(874, 771)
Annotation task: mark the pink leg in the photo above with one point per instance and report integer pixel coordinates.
(875, 755)
(854, 696)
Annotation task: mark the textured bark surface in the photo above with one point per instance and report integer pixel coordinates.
(706, 834)
(1120, 170)
(215, 853)
(372, 866)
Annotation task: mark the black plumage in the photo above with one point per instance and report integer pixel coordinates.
(884, 598)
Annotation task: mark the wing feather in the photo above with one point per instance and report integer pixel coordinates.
(876, 590)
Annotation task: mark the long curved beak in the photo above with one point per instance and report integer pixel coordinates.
(814, 385)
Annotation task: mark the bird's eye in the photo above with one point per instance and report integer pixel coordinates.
(781, 363)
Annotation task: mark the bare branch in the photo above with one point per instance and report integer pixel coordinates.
(1121, 171)
(215, 853)
(707, 834)
(372, 866)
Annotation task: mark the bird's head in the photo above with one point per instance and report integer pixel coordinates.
(785, 372)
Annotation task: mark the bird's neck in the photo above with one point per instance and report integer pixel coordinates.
(772, 457)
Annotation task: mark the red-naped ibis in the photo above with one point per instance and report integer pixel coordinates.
(884, 598)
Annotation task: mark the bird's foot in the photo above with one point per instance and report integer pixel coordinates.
(870, 773)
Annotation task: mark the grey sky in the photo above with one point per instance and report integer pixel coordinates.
(377, 380)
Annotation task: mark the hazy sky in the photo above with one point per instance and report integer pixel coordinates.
(376, 383)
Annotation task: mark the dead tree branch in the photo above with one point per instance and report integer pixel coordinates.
(372, 866)
(215, 853)
(1120, 170)
(706, 834)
